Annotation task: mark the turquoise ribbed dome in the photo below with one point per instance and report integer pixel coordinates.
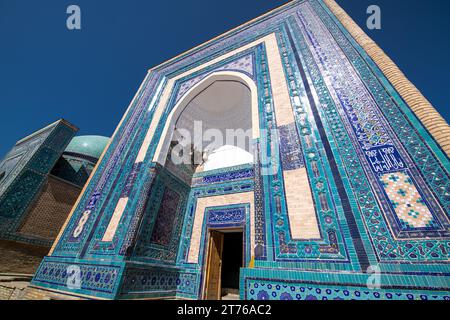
(91, 146)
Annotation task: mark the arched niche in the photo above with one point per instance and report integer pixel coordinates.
(213, 93)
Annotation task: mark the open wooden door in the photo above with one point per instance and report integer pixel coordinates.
(214, 266)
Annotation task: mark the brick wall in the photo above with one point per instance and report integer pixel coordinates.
(43, 221)
(20, 258)
(51, 209)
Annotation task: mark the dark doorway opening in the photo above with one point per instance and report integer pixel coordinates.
(232, 262)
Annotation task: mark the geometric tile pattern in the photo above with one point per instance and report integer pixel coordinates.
(271, 290)
(159, 232)
(407, 201)
(94, 279)
(286, 248)
(244, 64)
(162, 232)
(291, 149)
(327, 45)
(164, 282)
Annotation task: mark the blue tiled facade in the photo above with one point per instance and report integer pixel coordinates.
(25, 169)
(380, 183)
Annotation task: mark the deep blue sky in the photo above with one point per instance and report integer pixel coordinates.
(89, 77)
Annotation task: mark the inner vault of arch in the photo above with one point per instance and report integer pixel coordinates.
(213, 126)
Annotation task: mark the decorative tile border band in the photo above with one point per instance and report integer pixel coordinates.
(288, 285)
(423, 109)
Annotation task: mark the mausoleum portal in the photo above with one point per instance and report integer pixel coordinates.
(294, 138)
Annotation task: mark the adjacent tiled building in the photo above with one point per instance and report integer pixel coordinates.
(42, 177)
